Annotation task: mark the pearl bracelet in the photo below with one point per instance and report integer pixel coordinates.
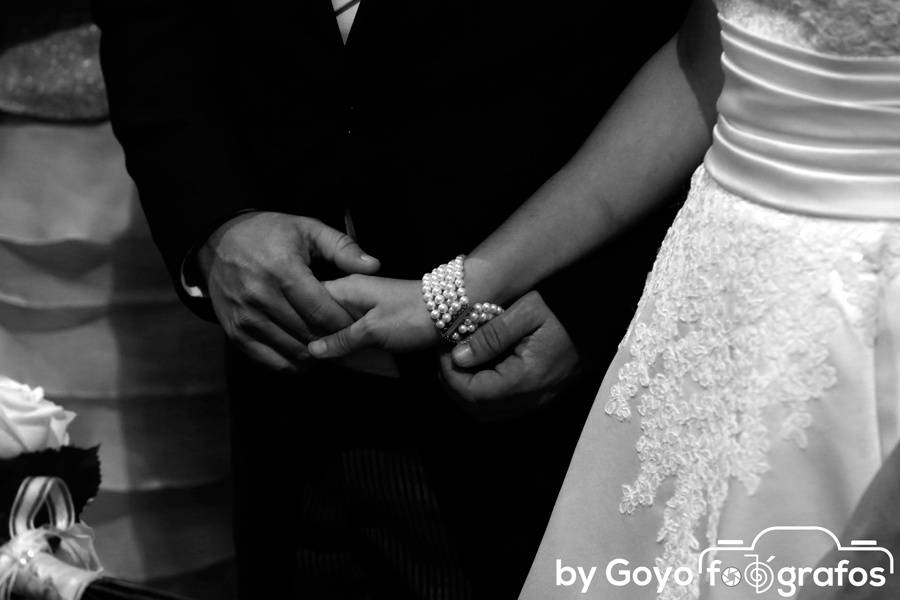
(445, 298)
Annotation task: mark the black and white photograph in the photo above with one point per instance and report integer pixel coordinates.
(433, 300)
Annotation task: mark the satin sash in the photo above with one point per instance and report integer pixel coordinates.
(807, 132)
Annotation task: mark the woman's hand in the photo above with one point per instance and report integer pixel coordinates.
(390, 314)
(519, 361)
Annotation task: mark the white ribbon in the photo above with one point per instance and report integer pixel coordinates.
(28, 562)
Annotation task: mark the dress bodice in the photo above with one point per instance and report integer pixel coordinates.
(809, 114)
(840, 27)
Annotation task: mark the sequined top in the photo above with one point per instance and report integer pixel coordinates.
(54, 76)
(841, 27)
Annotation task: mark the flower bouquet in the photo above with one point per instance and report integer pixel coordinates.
(46, 552)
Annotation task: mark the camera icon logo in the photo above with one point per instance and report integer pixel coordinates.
(762, 575)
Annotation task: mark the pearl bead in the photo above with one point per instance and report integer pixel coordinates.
(477, 307)
(444, 293)
(485, 317)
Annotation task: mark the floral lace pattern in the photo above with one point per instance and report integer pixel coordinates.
(731, 334)
(841, 27)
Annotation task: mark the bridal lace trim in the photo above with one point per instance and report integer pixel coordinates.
(732, 334)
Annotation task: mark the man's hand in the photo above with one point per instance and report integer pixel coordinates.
(516, 362)
(257, 275)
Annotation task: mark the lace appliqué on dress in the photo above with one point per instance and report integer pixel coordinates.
(732, 333)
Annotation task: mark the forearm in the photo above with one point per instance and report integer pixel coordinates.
(655, 133)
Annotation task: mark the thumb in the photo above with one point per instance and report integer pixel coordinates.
(341, 343)
(486, 344)
(498, 335)
(340, 249)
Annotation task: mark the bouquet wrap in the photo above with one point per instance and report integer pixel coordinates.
(46, 552)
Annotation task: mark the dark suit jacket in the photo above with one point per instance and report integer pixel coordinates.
(431, 126)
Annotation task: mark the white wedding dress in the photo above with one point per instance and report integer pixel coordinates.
(758, 385)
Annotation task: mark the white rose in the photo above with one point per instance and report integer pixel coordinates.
(28, 421)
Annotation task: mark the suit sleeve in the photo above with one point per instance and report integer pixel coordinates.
(163, 63)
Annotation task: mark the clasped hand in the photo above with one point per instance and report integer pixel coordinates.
(257, 274)
(516, 362)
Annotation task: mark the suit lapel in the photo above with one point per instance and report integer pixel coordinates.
(321, 13)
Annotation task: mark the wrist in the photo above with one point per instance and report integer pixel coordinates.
(200, 263)
(455, 313)
(192, 280)
(206, 253)
(484, 283)
(431, 336)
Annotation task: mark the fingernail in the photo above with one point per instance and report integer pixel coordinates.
(367, 258)
(462, 355)
(317, 348)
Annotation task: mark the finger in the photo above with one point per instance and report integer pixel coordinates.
(340, 249)
(343, 342)
(308, 297)
(490, 394)
(264, 355)
(501, 382)
(497, 336)
(481, 386)
(268, 333)
(285, 317)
